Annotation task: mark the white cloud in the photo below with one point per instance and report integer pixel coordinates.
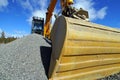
(26, 4)
(39, 8)
(43, 4)
(0, 30)
(33, 5)
(19, 33)
(16, 33)
(36, 7)
(89, 6)
(38, 13)
(42, 14)
(3, 3)
(101, 13)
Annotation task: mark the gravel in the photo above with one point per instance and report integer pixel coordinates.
(1, 45)
(112, 77)
(25, 59)
(28, 58)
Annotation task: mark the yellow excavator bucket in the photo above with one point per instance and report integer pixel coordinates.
(83, 50)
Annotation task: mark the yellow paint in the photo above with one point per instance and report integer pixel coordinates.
(83, 50)
(70, 1)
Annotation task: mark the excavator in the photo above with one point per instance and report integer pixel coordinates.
(81, 50)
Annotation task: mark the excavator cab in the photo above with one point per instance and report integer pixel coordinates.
(37, 25)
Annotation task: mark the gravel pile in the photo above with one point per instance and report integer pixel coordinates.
(112, 77)
(25, 59)
(28, 58)
(1, 45)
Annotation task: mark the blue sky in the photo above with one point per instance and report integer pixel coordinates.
(16, 15)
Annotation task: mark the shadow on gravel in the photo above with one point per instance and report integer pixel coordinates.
(48, 41)
(45, 53)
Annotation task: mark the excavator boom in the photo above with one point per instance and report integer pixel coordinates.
(48, 18)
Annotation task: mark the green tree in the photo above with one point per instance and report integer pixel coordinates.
(5, 40)
(3, 34)
(2, 37)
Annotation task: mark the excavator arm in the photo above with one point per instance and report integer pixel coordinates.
(48, 17)
(50, 10)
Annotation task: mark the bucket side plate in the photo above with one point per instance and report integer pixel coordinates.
(83, 50)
